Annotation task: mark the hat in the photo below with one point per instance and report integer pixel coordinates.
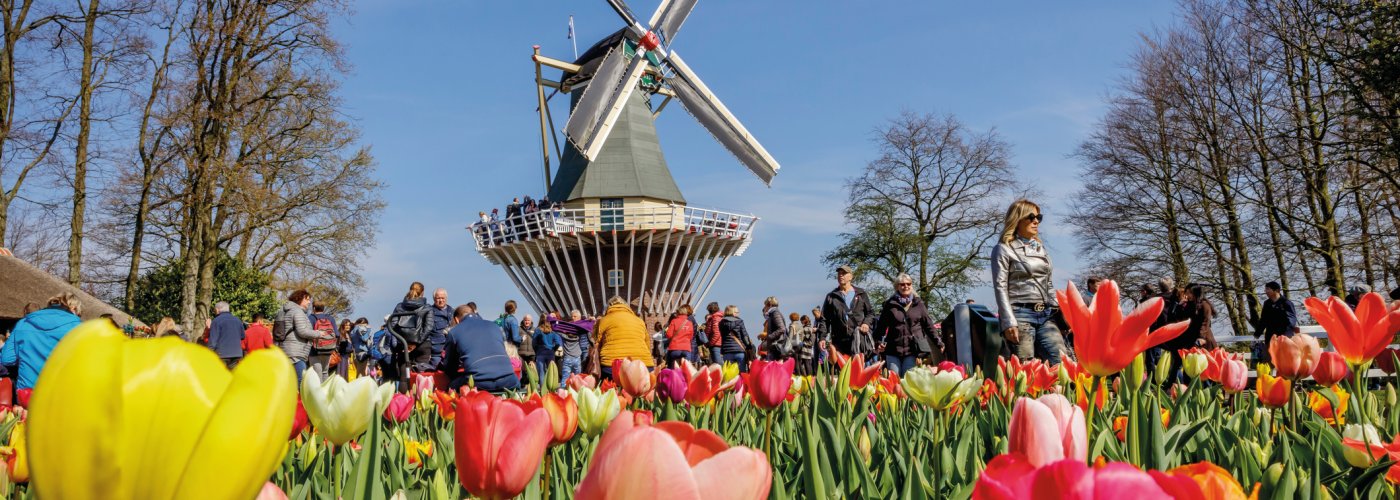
(1360, 289)
(844, 269)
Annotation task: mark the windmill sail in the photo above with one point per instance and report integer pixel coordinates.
(711, 113)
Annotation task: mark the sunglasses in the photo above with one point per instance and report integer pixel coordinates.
(1036, 217)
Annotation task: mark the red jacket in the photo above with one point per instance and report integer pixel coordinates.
(712, 329)
(256, 337)
(680, 331)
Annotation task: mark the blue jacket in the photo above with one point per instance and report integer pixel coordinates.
(33, 339)
(382, 346)
(511, 327)
(441, 317)
(545, 344)
(226, 336)
(474, 346)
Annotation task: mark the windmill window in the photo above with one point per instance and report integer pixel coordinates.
(610, 214)
(615, 277)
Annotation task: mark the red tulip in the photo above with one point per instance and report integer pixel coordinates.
(1012, 477)
(300, 421)
(499, 444)
(1047, 429)
(1387, 360)
(768, 382)
(861, 375)
(633, 376)
(563, 415)
(671, 385)
(1105, 341)
(1359, 336)
(636, 459)
(1296, 356)
(1234, 376)
(1331, 368)
(400, 407)
(705, 385)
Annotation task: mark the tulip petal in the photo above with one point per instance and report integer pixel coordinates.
(232, 458)
(1107, 315)
(519, 441)
(1035, 433)
(1122, 480)
(72, 434)
(1069, 479)
(736, 474)
(696, 444)
(643, 463)
(1070, 419)
(1007, 477)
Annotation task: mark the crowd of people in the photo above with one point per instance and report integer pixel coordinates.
(426, 335)
(514, 226)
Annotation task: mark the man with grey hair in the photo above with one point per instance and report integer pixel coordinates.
(226, 335)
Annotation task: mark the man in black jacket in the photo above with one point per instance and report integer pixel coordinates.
(849, 315)
(1277, 317)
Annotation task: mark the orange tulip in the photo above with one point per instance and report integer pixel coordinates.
(1331, 368)
(704, 385)
(861, 375)
(446, 404)
(1295, 356)
(499, 444)
(563, 415)
(636, 459)
(1214, 481)
(1323, 407)
(1359, 336)
(1105, 341)
(1273, 391)
(1081, 393)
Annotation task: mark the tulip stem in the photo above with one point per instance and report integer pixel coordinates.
(339, 467)
(768, 435)
(548, 464)
(1093, 398)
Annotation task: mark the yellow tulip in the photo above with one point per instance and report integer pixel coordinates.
(342, 410)
(596, 409)
(119, 418)
(730, 372)
(16, 456)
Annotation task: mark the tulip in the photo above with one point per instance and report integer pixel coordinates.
(563, 415)
(1331, 368)
(579, 381)
(704, 385)
(499, 444)
(417, 451)
(1386, 361)
(632, 375)
(446, 405)
(340, 410)
(1011, 477)
(421, 383)
(1296, 356)
(399, 408)
(160, 418)
(1273, 391)
(1105, 341)
(730, 372)
(271, 491)
(1137, 372)
(299, 421)
(1047, 429)
(671, 385)
(16, 455)
(1194, 364)
(636, 459)
(939, 390)
(1234, 375)
(861, 375)
(768, 382)
(1362, 445)
(1082, 389)
(596, 409)
(1359, 336)
(1213, 481)
(1323, 407)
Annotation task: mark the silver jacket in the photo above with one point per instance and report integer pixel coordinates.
(1018, 278)
(292, 319)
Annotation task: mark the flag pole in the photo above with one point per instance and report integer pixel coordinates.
(573, 38)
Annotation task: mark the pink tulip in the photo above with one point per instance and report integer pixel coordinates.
(671, 385)
(1233, 375)
(636, 459)
(768, 382)
(1296, 356)
(633, 376)
(581, 381)
(271, 491)
(400, 407)
(1048, 429)
(1331, 368)
(1012, 477)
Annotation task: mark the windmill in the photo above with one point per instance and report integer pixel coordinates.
(624, 229)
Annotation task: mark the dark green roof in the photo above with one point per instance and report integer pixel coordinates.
(630, 163)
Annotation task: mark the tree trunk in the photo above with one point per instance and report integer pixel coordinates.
(80, 160)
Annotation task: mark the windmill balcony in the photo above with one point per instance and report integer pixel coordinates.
(572, 221)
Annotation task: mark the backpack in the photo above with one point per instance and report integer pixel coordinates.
(702, 337)
(279, 332)
(324, 324)
(414, 326)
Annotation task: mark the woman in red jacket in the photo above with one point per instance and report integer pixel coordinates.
(680, 331)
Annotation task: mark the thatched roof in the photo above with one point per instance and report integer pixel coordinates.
(22, 283)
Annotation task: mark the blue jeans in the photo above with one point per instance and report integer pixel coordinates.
(568, 367)
(673, 356)
(542, 366)
(716, 355)
(299, 365)
(900, 364)
(737, 358)
(1040, 337)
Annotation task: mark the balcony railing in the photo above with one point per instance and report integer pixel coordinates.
(543, 223)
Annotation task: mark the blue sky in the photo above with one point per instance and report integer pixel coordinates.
(443, 92)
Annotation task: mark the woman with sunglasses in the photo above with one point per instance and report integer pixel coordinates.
(1025, 293)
